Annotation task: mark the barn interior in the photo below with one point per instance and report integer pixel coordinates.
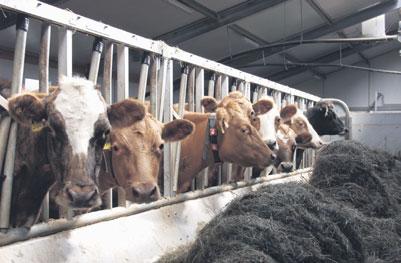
(303, 52)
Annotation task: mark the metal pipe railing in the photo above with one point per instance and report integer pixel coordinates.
(167, 116)
(44, 58)
(97, 50)
(143, 77)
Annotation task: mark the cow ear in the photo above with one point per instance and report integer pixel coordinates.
(287, 112)
(177, 130)
(126, 112)
(209, 103)
(262, 106)
(27, 109)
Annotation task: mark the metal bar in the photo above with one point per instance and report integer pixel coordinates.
(122, 72)
(181, 106)
(107, 85)
(241, 87)
(234, 86)
(143, 77)
(162, 87)
(5, 123)
(224, 86)
(191, 90)
(168, 116)
(16, 85)
(247, 94)
(217, 88)
(44, 58)
(153, 85)
(106, 90)
(199, 88)
(64, 53)
(40, 230)
(95, 61)
(211, 84)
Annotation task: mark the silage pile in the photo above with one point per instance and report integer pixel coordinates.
(349, 213)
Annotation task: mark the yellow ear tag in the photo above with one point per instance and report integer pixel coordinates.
(107, 146)
(37, 126)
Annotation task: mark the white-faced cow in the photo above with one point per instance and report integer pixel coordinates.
(59, 147)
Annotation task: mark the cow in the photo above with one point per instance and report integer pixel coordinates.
(324, 120)
(136, 149)
(286, 140)
(238, 141)
(59, 147)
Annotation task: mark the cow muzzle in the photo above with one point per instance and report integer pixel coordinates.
(145, 192)
(82, 196)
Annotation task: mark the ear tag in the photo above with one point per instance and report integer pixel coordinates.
(107, 146)
(37, 126)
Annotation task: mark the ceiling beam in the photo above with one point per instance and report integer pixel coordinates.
(244, 58)
(225, 17)
(200, 8)
(326, 17)
(261, 42)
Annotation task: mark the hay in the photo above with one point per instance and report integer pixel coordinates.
(293, 223)
(350, 213)
(360, 177)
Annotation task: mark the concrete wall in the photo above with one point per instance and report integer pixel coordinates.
(357, 88)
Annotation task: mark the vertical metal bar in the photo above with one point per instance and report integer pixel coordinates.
(18, 72)
(44, 58)
(162, 87)
(153, 85)
(65, 69)
(247, 94)
(199, 88)
(234, 86)
(210, 90)
(108, 72)
(64, 53)
(122, 93)
(44, 87)
(95, 61)
(226, 167)
(143, 77)
(260, 92)
(217, 89)
(241, 87)
(181, 106)
(4, 131)
(122, 72)
(106, 90)
(168, 116)
(191, 90)
(255, 95)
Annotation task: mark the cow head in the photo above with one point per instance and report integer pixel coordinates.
(325, 121)
(240, 140)
(307, 137)
(137, 148)
(74, 121)
(286, 148)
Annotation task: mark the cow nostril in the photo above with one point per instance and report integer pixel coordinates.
(273, 156)
(135, 192)
(271, 144)
(153, 191)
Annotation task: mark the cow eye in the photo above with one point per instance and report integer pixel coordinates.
(116, 148)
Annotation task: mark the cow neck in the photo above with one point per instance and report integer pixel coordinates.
(211, 139)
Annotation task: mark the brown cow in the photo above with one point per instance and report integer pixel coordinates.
(286, 146)
(136, 152)
(238, 141)
(59, 147)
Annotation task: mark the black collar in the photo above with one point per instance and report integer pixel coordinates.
(211, 139)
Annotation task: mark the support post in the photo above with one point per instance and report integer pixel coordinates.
(168, 116)
(95, 61)
(44, 58)
(191, 90)
(211, 84)
(153, 85)
(162, 88)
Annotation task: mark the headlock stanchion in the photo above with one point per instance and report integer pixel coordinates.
(95, 61)
(16, 85)
(159, 57)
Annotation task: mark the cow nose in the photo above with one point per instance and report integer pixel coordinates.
(271, 144)
(82, 196)
(286, 167)
(145, 192)
(273, 156)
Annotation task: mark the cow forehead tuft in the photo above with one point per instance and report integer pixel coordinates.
(80, 105)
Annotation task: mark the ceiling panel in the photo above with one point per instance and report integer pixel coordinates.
(270, 25)
(146, 18)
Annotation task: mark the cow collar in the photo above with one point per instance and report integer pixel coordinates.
(211, 138)
(108, 162)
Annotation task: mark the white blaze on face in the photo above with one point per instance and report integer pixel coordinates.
(80, 105)
(267, 123)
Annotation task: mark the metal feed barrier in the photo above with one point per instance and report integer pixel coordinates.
(156, 77)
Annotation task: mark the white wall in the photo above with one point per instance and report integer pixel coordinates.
(357, 88)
